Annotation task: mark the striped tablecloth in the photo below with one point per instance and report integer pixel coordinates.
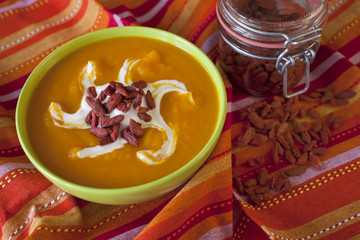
(323, 204)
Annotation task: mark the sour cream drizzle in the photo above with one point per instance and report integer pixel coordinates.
(158, 90)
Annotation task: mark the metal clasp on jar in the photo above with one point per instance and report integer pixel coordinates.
(308, 55)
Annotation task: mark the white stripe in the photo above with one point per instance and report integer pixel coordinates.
(327, 165)
(20, 4)
(41, 28)
(148, 15)
(129, 234)
(222, 232)
(325, 65)
(322, 68)
(235, 106)
(315, 74)
(355, 59)
(7, 167)
(210, 42)
(118, 20)
(10, 96)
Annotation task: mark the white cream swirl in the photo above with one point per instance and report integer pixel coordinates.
(158, 90)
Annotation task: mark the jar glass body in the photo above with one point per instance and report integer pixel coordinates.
(257, 36)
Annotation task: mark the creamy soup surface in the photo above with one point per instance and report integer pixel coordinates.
(182, 122)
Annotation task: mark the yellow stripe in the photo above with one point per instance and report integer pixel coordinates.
(321, 223)
(357, 237)
(208, 171)
(18, 159)
(28, 54)
(222, 148)
(91, 212)
(172, 13)
(123, 214)
(6, 122)
(20, 10)
(18, 219)
(195, 20)
(131, 4)
(337, 24)
(30, 31)
(7, 132)
(71, 217)
(204, 226)
(184, 16)
(208, 31)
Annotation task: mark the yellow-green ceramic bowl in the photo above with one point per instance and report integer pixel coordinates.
(126, 195)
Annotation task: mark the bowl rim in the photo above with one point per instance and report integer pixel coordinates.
(89, 38)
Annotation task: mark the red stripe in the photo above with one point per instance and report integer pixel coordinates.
(139, 11)
(11, 152)
(153, 22)
(201, 215)
(13, 85)
(202, 199)
(81, 202)
(355, 83)
(21, 20)
(343, 136)
(239, 94)
(223, 153)
(252, 231)
(344, 5)
(130, 19)
(228, 120)
(26, 232)
(9, 105)
(36, 38)
(351, 47)
(311, 205)
(322, 54)
(329, 76)
(204, 25)
(229, 93)
(7, 116)
(145, 219)
(332, 73)
(126, 23)
(112, 22)
(244, 227)
(346, 232)
(61, 208)
(14, 195)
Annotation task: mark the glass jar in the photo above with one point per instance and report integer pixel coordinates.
(267, 46)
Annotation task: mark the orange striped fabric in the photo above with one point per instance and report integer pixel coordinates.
(323, 204)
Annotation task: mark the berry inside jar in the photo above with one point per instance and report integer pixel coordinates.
(258, 77)
(266, 47)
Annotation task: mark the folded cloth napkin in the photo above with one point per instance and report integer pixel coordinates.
(322, 205)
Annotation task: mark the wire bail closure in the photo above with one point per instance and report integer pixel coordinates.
(308, 56)
(301, 47)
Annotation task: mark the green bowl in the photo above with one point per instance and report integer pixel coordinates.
(137, 193)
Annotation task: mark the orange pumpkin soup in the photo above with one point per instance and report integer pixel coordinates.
(181, 122)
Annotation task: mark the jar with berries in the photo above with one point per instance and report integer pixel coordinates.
(266, 46)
